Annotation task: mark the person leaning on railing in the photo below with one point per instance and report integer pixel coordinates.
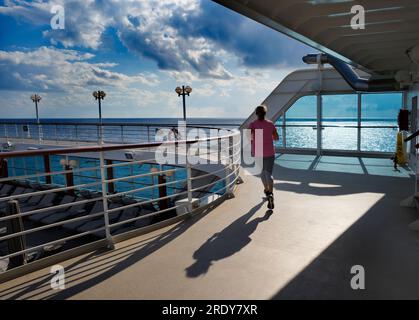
(174, 134)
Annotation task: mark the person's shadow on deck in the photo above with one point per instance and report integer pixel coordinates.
(225, 243)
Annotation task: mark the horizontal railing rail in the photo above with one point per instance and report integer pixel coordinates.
(336, 126)
(103, 148)
(203, 125)
(83, 132)
(60, 132)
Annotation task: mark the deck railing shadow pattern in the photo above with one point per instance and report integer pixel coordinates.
(380, 240)
(98, 266)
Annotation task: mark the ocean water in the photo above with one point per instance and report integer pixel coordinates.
(342, 134)
(337, 134)
(33, 165)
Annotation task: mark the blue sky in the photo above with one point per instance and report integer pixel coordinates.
(138, 52)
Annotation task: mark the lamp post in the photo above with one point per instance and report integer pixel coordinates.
(99, 96)
(36, 98)
(68, 166)
(184, 91)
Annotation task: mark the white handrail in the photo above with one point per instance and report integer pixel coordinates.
(107, 216)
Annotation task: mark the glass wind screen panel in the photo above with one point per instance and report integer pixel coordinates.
(87, 177)
(301, 123)
(379, 121)
(23, 166)
(340, 121)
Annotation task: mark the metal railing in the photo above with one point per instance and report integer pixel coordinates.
(126, 133)
(53, 218)
(112, 132)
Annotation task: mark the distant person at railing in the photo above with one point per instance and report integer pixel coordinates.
(174, 134)
(264, 150)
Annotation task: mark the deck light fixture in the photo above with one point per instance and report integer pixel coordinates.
(184, 91)
(36, 98)
(69, 164)
(99, 96)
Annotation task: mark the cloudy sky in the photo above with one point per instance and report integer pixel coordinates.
(138, 52)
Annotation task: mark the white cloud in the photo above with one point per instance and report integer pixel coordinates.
(154, 29)
(62, 70)
(144, 95)
(142, 26)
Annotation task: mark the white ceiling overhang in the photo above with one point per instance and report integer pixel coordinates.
(391, 28)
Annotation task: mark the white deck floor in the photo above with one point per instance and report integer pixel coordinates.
(331, 213)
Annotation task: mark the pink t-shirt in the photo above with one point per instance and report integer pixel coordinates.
(268, 142)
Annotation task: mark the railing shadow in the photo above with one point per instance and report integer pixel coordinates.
(335, 182)
(99, 266)
(379, 240)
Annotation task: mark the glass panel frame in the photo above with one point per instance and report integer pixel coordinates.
(357, 131)
(301, 124)
(378, 120)
(339, 129)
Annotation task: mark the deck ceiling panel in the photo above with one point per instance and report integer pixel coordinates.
(391, 28)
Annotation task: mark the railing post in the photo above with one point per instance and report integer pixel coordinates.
(18, 243)
(148, 134)
(105, 201)
(219, 155)
(122, 134)
(229, 167)
(284, 131)
(189, 184)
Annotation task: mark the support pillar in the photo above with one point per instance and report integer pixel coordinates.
(18, 243)
(69, 177)
(47, 169)
(4, 168)
(110, 176)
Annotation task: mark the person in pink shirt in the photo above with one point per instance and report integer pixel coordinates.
(263, 149)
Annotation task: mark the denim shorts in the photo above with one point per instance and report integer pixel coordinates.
(267, 169)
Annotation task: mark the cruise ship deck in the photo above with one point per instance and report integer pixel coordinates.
(99, 199)
(331, 213)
